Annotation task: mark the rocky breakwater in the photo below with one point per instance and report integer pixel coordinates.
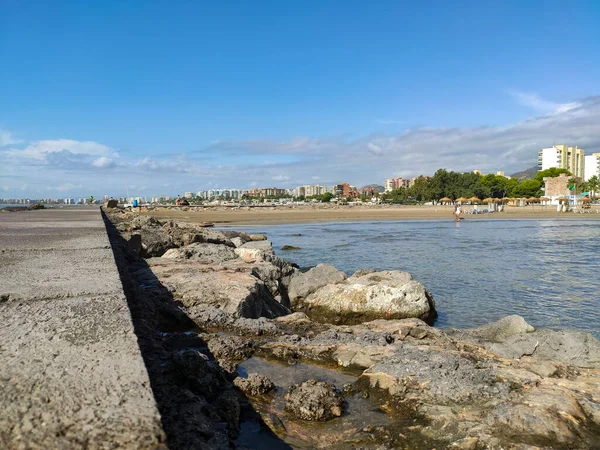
(504, 385)
(223, 276)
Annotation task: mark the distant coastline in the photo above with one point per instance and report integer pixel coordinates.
(226, 216)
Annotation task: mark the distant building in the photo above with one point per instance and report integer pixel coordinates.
(310, 190)
(188, 195)
(477, 172)
(592, 166)
(557, 186)
(562, 157)
(500, 173)
(392, 184)
(341, 190)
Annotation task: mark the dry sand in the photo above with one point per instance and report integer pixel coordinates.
(224, 216)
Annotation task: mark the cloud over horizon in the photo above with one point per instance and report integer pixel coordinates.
(90, 167)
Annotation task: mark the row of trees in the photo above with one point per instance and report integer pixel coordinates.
(455, 184)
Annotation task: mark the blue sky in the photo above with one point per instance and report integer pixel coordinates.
(175, 96)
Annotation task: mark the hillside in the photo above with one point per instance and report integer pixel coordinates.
(378, 188)
(526, 174)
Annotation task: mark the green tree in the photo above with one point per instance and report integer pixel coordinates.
(550, 173)
(527, 188)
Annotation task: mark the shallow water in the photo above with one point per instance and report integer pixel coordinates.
(478, 270)
(300, 434)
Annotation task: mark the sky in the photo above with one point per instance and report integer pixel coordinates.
(162, 97)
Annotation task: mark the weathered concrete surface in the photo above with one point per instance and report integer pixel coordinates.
(71, 372)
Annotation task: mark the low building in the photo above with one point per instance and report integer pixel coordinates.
(555, 187)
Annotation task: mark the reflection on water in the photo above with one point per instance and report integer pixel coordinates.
(478, 270)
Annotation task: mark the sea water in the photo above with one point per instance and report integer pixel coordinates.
(547, 271)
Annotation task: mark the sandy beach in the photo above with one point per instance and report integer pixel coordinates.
(227, 216)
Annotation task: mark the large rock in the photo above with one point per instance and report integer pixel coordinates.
(314, 400)
(254, 385)
(571, 347)
(228, 286)
(302, 285)
(379, 295)
(255, 251)
(202, 252)
(502, 329)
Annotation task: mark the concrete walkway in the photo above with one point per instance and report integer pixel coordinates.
(71, 372)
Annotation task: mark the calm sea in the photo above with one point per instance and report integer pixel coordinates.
(547, 271)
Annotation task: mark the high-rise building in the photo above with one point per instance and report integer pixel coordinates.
(392, 184)
(562, 157)
(592, 166)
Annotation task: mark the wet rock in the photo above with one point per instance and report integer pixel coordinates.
(202, 252)
(254, 385)
(230, 347)
(112, 203)
(380, 295)
(572, 347)
(35, 206)
(289, 248)
(314, 400)
(255, 250)
(502, 329)
(228, 408)
(257, 237)
(303, 284)
(438, 375)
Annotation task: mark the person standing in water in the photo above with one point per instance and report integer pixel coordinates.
(457, 211)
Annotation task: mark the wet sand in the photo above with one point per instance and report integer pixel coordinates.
(224, 216)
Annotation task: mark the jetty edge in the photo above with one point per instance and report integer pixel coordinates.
(501, 385)
(71, 371)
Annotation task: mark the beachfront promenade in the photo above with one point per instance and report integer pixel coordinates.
(71, 371)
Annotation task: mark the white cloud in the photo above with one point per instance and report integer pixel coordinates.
(537, 103)
(302, 160)
(64, 187)
(103, 162)
(41, 149)
(6, 138)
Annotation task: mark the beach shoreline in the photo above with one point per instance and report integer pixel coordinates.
(305, 214)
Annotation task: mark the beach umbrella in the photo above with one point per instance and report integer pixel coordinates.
(562, 199)
(475, 200)
(545, 199)
(445, 200)
(488, 200)
(533, 200)
(462, 199)
(585, 199)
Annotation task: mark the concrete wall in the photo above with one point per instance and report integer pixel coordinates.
(71, 372)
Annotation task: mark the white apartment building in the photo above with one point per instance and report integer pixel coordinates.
(562, 157)
(592, 166)
(310, 190)
(392, 184)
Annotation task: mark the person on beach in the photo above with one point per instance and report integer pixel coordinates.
(457, 211)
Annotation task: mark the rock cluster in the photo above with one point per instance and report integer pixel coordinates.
(503, 385)
(238, 274)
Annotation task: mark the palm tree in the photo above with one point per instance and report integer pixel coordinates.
(594, 184)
